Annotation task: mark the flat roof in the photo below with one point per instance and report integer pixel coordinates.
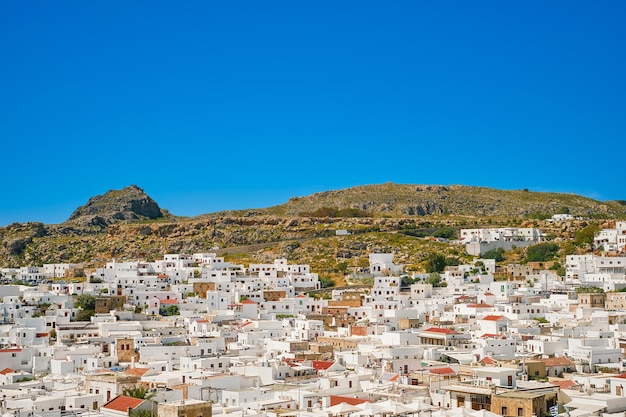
(472, 389)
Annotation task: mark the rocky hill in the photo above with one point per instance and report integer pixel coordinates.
(130, 203)
(404, 200)
(128, 224)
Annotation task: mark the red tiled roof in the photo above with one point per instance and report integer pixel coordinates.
(42, 334)
(337, 399)
(123, 403)
(321, 365)
(163, 276)
(492, 317)
(558, 361)
(442, 371)
(136, 371)
(489, 335)
(488, 360)
(441, 330)
(564, 384)
(480, 305)
(10, 350)
(248, 302)
(172, 301)
(7, 371)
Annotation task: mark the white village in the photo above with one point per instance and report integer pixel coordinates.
(192, 335)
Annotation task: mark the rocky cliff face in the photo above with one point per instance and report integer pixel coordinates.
(130, 203)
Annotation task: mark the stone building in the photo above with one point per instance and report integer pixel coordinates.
(185, 408)
(591, 299)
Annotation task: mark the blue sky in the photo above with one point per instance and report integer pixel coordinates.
(226, 105)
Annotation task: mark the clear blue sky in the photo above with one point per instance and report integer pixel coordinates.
(240, 104)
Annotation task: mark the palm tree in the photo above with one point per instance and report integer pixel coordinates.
(138, 392)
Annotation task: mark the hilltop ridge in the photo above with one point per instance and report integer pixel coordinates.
(127, 223)
(408, 200)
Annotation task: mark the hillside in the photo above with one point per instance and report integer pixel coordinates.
(402, 200)
(129, 224)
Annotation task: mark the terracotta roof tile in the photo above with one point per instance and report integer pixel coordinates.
(136, 371)
(441, 330)
(442, 371)
(123, 403)
(321, 365)
(564, 384)
(337, 399)
(493, 317)
(558, 361)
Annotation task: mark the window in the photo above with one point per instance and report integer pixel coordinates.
(520, 412)
(504, 411)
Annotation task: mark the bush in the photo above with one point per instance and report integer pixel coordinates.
(452, 261)
(586, 234)
(333, 212)
(585, 290)
(326, 282)
(496, 254)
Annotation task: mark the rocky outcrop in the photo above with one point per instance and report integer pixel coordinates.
(128, 204)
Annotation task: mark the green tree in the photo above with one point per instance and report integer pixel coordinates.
(141, 413)
(450, 261)
(138, 392)
(541, 252)
(563, 210)
(326, 281)
(435, 280)
(435, 262)
(444, 232)
(586, 234)
(86, 302)
(342, 267)
(169, 311)
(406, 281)
(84, 315)
(496, 254)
